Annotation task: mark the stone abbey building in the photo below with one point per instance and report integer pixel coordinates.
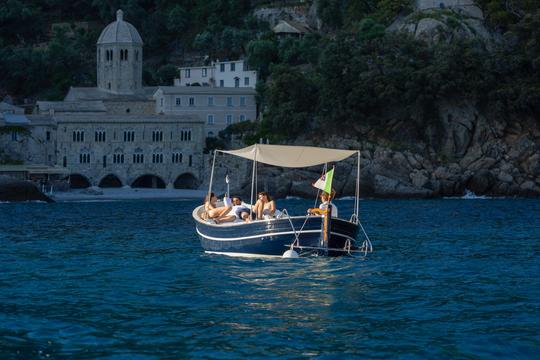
(123, 133)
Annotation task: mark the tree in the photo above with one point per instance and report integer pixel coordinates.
(369, 29)
(292, 103)
(261, 53)
(20, 22)
(177, 20)
(330, 12)
(166, 74)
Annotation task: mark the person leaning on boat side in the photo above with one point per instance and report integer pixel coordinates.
(265, 207)
(218, 214)
(325, 200)
(238, 210)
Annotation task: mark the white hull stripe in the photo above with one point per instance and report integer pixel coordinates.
(256, 236)
(267, 234)
(245, 255)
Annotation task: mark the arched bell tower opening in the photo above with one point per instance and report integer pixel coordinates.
(119, 57)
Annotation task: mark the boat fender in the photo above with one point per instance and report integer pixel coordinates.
(290, 254)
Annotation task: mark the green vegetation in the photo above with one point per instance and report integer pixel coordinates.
(350, 74)
(362, 75)
(36, 61)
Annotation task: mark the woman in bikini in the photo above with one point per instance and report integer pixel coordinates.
(264, 206)
(218, 214)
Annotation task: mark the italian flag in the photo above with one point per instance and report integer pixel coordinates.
(325, 182)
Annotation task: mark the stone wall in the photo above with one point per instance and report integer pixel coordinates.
(101, 154)
(33, 148)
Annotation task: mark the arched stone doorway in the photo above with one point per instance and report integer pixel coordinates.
(110, 181)
(78, 181)
(186, 181)
(149, 181)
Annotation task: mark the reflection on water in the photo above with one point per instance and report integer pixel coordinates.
(447, 279)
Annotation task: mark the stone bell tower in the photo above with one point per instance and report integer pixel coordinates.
(119, 57)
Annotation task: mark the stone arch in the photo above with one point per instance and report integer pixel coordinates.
(186, 181)
(78, 181)
(110, 181)
(148, 181)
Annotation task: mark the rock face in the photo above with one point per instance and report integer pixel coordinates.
(435, 24)
(465, 150)
(17, 190)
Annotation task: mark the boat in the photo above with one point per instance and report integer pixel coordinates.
(285, 235)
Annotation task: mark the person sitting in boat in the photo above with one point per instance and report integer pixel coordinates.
(239, 210)
(265, 207)
(325, 200)
(217, 214)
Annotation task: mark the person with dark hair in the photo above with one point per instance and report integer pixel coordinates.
(239, 210)
(217, 214)
(265, 207)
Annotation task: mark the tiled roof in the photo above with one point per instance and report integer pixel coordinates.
(94, 93)
(148, 119)
(71, 106)
(120, 31)
(194, 90)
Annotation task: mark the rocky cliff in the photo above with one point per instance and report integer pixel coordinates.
(464, 150)
(18, 190)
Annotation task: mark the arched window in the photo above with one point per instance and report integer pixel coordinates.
(177, 157)
(125, 54)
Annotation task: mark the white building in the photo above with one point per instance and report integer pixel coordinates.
(234, 74)
(218, 107)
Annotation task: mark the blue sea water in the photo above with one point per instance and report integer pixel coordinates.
(448, 279)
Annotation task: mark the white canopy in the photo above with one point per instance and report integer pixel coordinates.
(291, 156)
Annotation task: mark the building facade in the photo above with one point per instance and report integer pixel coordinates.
(111, 135)
(121, 133)
(218, 107)
(229, 74)
(147, 151)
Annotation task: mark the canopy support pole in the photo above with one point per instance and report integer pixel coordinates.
(357, 195)
(211, 176)
(253, 174)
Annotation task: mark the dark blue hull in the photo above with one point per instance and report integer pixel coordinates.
(273, 237)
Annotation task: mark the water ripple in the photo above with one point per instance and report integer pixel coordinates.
(128, 280)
